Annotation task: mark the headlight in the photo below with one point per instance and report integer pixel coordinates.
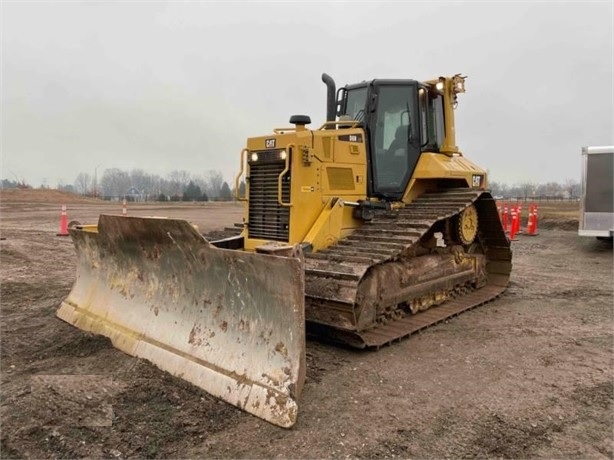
(439, 86)
(459, 83)
(254, 156)
(283, 154)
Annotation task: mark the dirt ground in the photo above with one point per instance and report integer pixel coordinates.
(529, 375)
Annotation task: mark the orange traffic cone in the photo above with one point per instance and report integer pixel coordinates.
(505, 217)
(531, 221)
(63, 223)
(513, 225)
(534, 226)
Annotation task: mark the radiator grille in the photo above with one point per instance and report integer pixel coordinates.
(267, 218)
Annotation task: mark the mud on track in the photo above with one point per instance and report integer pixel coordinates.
(528, 375)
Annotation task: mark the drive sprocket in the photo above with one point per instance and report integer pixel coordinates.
(467, 227)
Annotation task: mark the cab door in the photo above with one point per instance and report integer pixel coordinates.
(394, 136)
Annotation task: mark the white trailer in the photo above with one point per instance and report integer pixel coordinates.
(596, 206)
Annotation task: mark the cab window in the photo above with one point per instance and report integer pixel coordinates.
(432, 129)
(355, 104)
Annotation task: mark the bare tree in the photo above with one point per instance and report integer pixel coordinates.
(498, 188)
(115, 182)
(83, 183)
(549, 189)
(528, 189)
(572, 187)
(147, 184)
(213, 181)
(179, 180)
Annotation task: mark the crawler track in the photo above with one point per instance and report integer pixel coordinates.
(333, 276)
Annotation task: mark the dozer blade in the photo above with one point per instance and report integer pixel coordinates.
(230, 322)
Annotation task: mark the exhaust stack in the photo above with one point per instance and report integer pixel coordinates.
(331, 109)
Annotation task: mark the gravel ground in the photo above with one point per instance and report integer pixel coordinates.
(530, 374)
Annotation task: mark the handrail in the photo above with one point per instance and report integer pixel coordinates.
(352, 123)
(284, 130)
(289, 148)
(244, 153)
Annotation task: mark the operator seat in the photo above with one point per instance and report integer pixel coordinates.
(393, 165)
(398, 146)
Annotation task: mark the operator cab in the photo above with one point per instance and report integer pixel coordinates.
(402, 119)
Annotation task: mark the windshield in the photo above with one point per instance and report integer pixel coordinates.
(356, 102)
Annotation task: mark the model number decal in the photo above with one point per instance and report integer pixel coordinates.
(269, 143)
(476, 180)
(351, 137)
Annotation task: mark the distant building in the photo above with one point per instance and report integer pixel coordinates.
(133, 194)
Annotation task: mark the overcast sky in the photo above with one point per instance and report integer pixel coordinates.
(181, 85)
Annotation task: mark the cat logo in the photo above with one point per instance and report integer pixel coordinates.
(269, 143)
(476, 181)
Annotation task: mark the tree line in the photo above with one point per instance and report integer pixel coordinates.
(568, 190)
(138, 185)
(181, 185)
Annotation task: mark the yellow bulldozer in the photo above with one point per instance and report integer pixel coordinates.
(362, 231)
